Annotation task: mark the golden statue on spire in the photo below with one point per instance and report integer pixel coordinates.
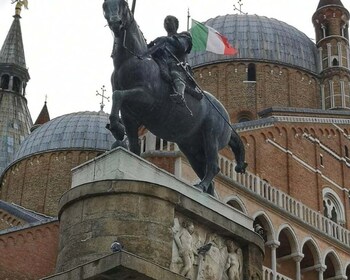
(19, 5)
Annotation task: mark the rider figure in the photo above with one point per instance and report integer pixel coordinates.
(173, 49)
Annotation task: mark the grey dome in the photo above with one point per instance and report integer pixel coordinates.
(76, 131)
(260, 38)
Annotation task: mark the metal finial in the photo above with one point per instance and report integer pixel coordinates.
(240, 8)
(19, 5)
(103, 90)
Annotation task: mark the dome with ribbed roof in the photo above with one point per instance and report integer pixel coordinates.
(75, 131)
(259, 38)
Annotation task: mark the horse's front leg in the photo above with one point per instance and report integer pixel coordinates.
(116, 126)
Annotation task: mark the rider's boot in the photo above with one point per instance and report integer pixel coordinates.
(179, 89)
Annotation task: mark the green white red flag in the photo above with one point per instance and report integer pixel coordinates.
(206, 38)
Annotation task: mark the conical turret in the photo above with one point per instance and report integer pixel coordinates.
(43, 117)
(14, 114)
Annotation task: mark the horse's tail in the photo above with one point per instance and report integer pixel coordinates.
(237, 146)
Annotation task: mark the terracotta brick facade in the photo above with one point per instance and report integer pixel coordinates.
(275, 85)
(284, 156)
(29, 253)
(37, 182)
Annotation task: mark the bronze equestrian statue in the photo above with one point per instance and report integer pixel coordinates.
(142, 96)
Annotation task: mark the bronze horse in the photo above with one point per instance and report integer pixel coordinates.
(143, 98)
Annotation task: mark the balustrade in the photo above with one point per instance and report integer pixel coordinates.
(268, 275)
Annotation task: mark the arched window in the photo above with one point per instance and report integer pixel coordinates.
(326, 30)
(346, 31)
(333, 209)
(322, 32)
(16, 84)
(251, 72)
(5, 81)
(235, 205)
(244, 116)
(335, 62)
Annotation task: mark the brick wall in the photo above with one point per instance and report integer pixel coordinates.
(29, 253)
(275, 86)
(282, 156)
(38, 182)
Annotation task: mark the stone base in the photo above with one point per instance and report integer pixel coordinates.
(122, 197)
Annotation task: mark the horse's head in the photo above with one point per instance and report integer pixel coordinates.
(117, 14)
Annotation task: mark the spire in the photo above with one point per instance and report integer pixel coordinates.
(12, 51)
(329, 2)
(43, 117)
(15, 119)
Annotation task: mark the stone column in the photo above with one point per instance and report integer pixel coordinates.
(320, 51)
(331, 94)
(329, 54)
(320, 271)
(297, 260)
(323, 97)
(273, 244)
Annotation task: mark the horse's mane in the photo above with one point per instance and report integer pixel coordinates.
(132, 17)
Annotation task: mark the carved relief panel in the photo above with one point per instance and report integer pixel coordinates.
(200, 254)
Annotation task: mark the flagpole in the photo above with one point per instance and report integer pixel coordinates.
(133, 7)
(188, 19)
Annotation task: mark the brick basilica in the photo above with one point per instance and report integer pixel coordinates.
(289, 98)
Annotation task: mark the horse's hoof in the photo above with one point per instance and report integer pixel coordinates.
(210, 190)
(117, 130)
(206, 189)
(200, 186)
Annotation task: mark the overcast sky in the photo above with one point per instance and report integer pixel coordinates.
(68, 46)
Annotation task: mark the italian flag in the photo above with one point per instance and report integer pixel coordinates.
(205, 38)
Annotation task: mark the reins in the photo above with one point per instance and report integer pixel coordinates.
(126, 48)
(125, 28)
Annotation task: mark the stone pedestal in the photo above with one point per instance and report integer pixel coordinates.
(156, 217)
